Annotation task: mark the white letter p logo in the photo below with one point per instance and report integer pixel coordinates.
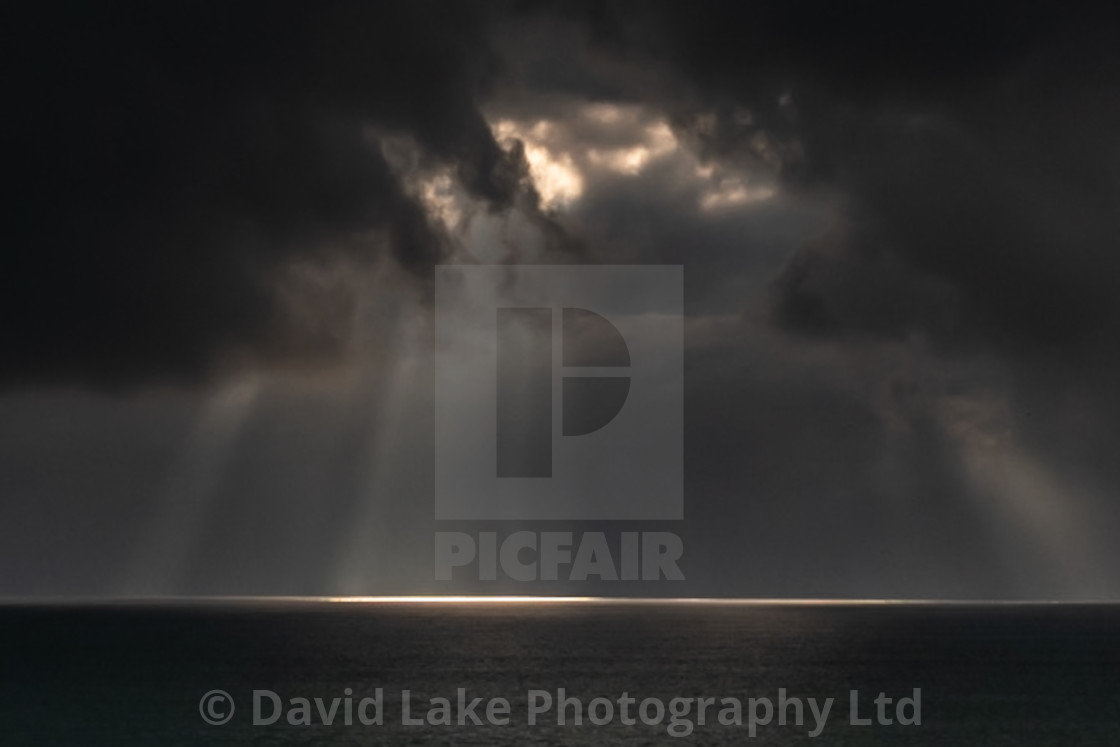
(559, 392)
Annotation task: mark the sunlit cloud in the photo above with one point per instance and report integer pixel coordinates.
(658, 141)
(441, 200)
(733, 192)
(557, 179)
(582, 143)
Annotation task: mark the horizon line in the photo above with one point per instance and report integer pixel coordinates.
(435, 599)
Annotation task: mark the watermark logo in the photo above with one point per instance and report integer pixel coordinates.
(398, 714)
(559, 393)
(216, 707)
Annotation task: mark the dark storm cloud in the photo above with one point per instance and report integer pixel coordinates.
(170, 162)
(975, 157)
(900, 366)
(972, 158)
(174, 162)
(974, 149)
(996, 234)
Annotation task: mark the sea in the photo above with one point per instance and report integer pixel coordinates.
(580, 672)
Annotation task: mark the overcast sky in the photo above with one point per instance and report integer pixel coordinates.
(898, 226)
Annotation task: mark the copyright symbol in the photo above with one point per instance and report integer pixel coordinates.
(216, 707)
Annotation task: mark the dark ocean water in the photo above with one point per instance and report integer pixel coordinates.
(134, 675)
